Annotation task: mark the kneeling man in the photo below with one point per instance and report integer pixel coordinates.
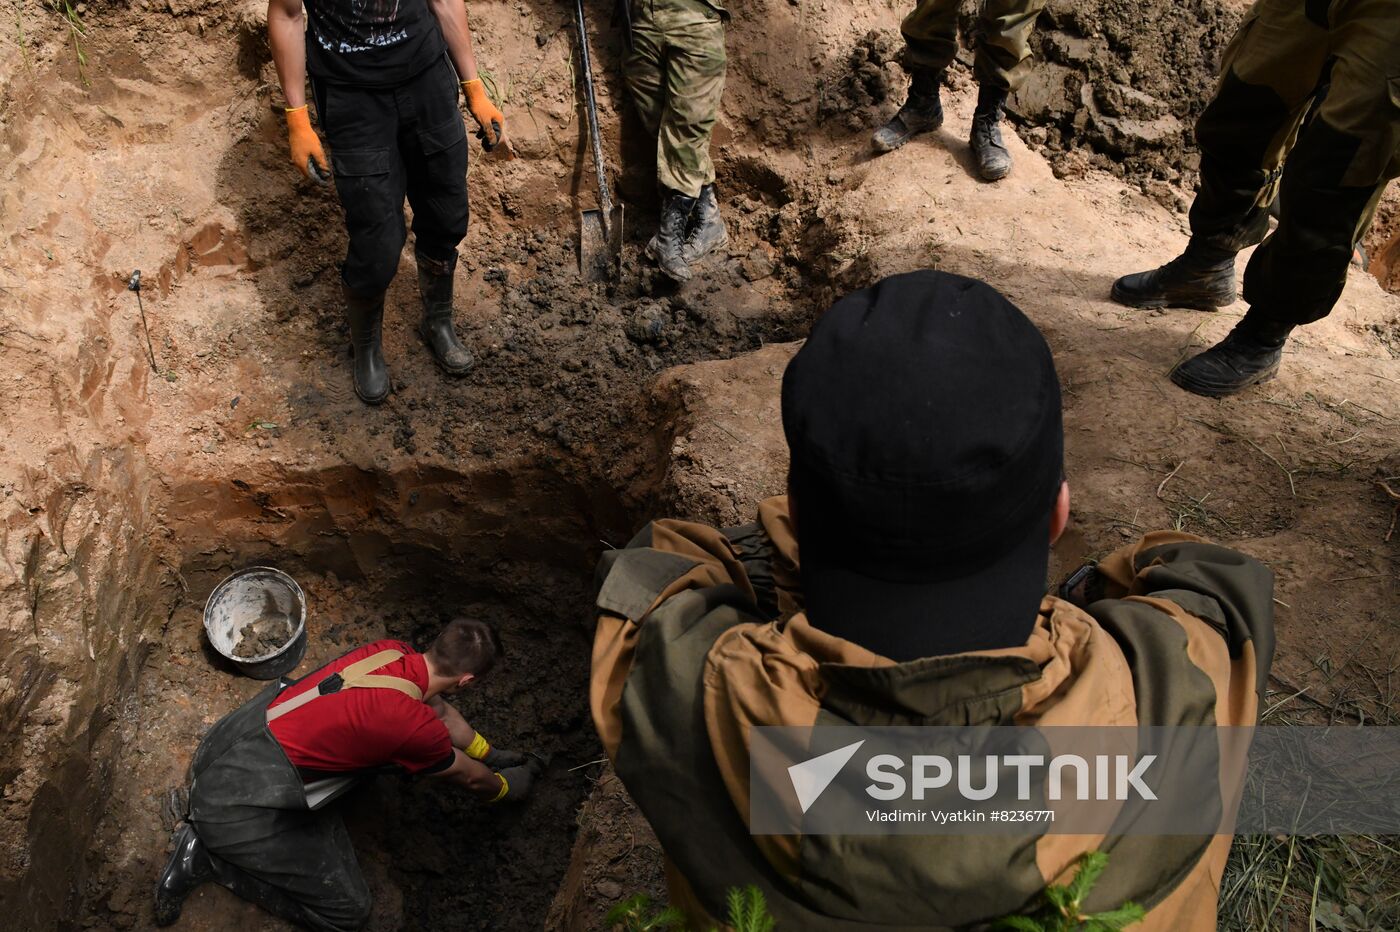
(260, 820)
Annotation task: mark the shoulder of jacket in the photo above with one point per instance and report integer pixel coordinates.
(633, 579)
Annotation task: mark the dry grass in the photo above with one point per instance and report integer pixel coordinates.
(1347, 883)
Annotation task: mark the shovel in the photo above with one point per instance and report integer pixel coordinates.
(600, 230)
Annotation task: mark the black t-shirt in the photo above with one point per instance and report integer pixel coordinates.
(370, 42)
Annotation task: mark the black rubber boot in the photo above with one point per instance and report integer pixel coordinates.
(1250, 354)
(922, 112)
(670, 240)
(1201, 278)
(988, 148)
(188, 867)
(366, 313)
(707, 229)
(437, 330)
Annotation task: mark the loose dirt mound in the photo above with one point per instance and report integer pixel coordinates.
(1121, 85)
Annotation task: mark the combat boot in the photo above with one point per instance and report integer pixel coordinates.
(371, 376)
(670, 240)
(188, 867)
(1250, 354)
(922, 111)
(1201, 278)
(988, 148)
(437, 330)
(707, 229)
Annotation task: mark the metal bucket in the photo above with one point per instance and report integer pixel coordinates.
(252, 597)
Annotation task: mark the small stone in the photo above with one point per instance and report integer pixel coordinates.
(756, 265)
(609, 889)
(648, 324)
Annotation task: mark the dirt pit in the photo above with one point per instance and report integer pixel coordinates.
(407, 558)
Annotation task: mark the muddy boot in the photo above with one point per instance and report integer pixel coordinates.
(435, 286)
(670, 240)
(188, 867)
(1250, 354)
(988, 148)
(1201, 278)
(707, 230)
(366, 313)
(922, 111)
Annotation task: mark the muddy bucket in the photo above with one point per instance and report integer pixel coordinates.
(257, 619)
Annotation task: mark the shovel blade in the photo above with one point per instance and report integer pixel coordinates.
(593, 247)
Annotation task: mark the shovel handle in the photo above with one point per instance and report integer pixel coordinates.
(605, 200)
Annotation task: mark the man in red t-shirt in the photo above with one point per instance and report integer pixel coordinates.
(265, 774)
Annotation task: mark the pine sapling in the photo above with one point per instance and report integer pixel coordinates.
(1061, 908)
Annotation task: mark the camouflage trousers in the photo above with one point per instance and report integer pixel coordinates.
(1003, 57)
(675, 72)
(1307, 111)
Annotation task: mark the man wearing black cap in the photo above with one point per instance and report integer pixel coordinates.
(925, 489)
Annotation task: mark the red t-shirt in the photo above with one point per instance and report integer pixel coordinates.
(365, 729)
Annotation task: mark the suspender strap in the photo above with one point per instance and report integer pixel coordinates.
(359, 675)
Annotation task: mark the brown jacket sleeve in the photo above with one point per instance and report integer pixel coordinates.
(666, 558)
(1204, 587)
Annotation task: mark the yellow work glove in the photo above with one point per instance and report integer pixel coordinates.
(517, 782)
(487, 115)
(305, 144)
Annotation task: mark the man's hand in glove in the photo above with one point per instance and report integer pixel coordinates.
(488, 116)
(305, 144)
(516, 782)
(501, 758)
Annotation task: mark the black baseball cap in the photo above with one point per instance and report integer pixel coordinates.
(927, 450)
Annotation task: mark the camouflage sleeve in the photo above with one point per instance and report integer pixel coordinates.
(1228, 590)
(665, 559)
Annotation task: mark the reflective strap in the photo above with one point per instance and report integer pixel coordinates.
(356, 676)
(410, 690)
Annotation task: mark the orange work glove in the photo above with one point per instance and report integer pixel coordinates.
(305, 144)
(487, 115)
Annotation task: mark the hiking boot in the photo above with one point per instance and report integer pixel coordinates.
(988, 149)
(188, 867)
(435, 287)
(707, 230)
(922, 111)
(1250, 354)
(366, 313)
(1200, 278)
(670, 239)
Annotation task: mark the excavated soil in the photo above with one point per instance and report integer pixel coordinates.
(126, 493)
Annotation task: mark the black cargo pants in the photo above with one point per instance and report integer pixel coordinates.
(388, 142)
(1339, 62)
